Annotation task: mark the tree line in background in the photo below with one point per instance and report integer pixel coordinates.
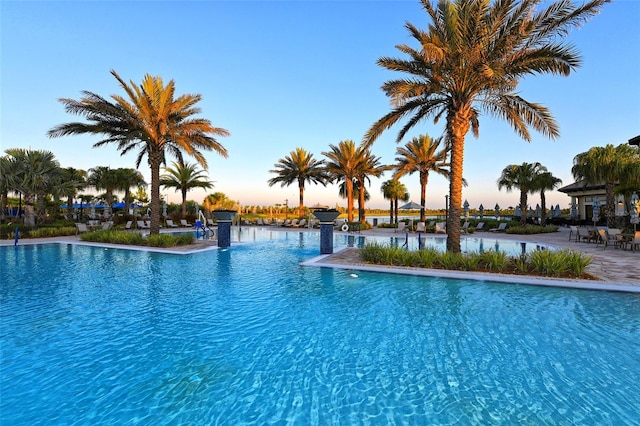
(469, 60)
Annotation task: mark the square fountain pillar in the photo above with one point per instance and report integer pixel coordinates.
(326, 218)
(224, 226)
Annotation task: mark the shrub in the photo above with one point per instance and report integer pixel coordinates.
(52, 232)
(494, 260)
(531, 229)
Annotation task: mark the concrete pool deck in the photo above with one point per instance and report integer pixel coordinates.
(618, 270)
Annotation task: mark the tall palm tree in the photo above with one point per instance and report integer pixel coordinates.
(394, 190)
(37, 173)
(152, 120)
(545, 181)
(606, 164)
(421, 155)
(370, 166)
(300, 167)
(342, 192)
(76, 180)
(184, 177)
(129, 178)
(523, 177)
(471, 57)
(104, 178)
(8, 177)
(343, 165)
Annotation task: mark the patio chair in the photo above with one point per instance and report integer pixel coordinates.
(441, 228)
(142, 224)
(107, 225)
(480, 226)
(81, 227)
(574, 233)
(170, 224)
(128, 225)
(421, 227)
(302, 223)
(401, 226)
(184, 223)
(633, 242)
(501, 228)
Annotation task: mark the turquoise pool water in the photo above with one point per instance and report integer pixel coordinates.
(247, 336)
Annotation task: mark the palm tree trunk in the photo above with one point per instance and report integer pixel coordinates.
(424, 180)
(184, 202)
(523, 207)
(155, 159)
(543, 207)
(301, 199)
(395, 209)
(29, 214)
(457, 126)
(361, 201)
(391, 210)
(611, 204)
(349, 185)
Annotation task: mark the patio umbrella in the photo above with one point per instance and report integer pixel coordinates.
(410, 206)
(107, 210)
(557, 213)
(574, 209)
(634, 210)
(537, 211)
(596, 211)
(481, 209)
(465, 206)
(92, 213)
(518, 212)
(497, 210)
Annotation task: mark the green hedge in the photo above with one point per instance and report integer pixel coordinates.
(563, 263)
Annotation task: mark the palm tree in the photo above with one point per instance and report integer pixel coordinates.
(472, 56)
(343, 165)
(394, 190)
(342, 192)
(369, 166)
(523, 177)
(36, 174)
(152, 121)
(610, 165)
(545, 181)
(8, 177)
(421, 155)
(217, 200)
(76, 180)
(185, 177)
(129, 178)
(300, 167)
(104, 178)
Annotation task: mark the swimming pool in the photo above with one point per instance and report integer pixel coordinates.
(468, 244)
(247, 336)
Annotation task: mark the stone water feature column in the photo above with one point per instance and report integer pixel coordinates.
(224, 226)
(326, 218)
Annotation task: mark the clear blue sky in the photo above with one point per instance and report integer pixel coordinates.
(283, 74)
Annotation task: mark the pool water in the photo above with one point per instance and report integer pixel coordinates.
(247, 336)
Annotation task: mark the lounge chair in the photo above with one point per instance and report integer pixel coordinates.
(142, 224)
(184, 223)
(401, 226)
(464, 228)
(170, 224)
(633, 242)
(480, 226)
(81, 227)
(421, 227)
(441, 228)
(128, 225)
(303, 223)
(501, 228)
(107, 225)
(432, 223)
